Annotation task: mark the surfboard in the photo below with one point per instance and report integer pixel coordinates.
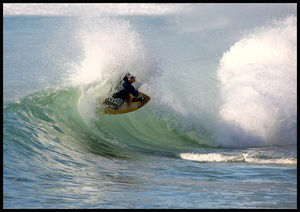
(125, 108)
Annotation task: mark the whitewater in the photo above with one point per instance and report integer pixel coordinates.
(220, 130)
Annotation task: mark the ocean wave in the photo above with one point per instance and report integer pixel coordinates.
(241, 105)
(51, 117)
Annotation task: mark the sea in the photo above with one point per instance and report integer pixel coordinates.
(220, 130)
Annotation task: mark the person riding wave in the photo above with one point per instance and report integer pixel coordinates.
(126, 94)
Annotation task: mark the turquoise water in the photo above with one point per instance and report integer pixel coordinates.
(219, 131)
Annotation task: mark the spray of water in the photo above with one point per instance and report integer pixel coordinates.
(111, 48)
(258, 76)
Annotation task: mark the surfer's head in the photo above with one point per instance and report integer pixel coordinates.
(131, 79)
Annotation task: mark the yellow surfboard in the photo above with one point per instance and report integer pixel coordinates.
(125, 108)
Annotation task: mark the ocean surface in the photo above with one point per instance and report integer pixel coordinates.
(220, 130)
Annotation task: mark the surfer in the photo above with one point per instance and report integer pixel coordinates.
(126, 94)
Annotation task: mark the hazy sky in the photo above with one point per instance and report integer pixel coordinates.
(91, 9)
(131, 8)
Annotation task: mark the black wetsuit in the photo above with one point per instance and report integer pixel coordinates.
(128, 88)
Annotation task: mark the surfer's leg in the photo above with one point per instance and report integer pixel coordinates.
(129, 99)
(114, 103)
(119, 102)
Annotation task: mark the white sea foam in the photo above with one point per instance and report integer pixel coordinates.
(246, 158)
(110, 47)
(258, 76)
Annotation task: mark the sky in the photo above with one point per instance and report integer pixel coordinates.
(186, 17)
(131, 8)
(91, 8)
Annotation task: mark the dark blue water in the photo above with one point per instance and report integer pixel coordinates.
(212, 136)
